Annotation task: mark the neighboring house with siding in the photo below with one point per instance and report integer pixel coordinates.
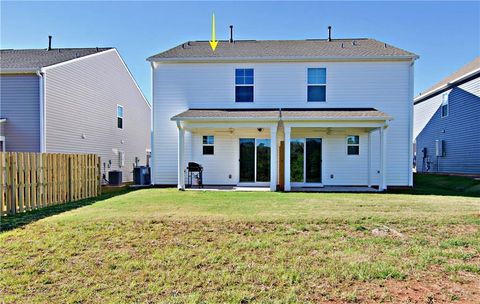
(294, 114)
(447, 123)
(75, 100)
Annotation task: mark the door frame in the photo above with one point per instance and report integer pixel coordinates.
(254, 183)
(304, 184)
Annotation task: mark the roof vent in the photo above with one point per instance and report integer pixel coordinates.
(49, 43)
(329, 33)
(342, 45)
(354, 42)
(385, 46)
(231, 33)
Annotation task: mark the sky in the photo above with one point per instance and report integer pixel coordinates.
(446, 35)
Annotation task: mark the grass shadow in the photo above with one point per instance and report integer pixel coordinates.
(446, 185)
(10, 222)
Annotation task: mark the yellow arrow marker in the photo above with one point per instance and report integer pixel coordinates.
(213, 42)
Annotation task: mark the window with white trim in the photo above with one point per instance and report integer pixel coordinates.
(444, 108)
(243, 85)
(316, 84)
(119, 116)
(208, 144)
(353, 145)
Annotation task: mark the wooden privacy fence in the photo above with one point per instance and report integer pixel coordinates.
(30, 181)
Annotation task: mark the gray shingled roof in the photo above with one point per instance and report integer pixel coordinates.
(463, 71)
(38, 58)
(282, 114)
(283, 49)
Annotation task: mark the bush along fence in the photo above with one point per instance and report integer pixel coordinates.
(31, 181)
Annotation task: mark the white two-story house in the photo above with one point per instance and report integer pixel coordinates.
(284, 114)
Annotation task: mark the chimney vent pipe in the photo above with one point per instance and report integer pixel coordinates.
(329, 33)
(49, 43)
(231, 33)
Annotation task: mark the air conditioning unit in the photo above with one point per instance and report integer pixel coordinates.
(439, 148)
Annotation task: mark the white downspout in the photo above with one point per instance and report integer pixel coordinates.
(41, 75)
(410, 125)
(152, 129)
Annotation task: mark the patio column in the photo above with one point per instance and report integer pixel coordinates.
(369, 160)
(287, 130)
(181, 157)
(383, 159)
(273, 158)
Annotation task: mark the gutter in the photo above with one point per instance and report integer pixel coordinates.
(41, 74)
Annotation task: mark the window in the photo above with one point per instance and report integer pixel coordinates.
(243, 85)
(353, 145)
(119, 117)
(208, 142)
(317, 84)
(444, 108)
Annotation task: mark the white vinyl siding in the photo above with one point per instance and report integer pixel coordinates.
(82, 98)
(384, 86)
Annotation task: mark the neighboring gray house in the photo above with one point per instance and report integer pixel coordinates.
(447, 123)
(76, 100)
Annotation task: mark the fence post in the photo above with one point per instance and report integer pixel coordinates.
(70, 194)
(2, 187)
(99, 176)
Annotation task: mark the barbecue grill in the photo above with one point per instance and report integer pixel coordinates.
(195, 170)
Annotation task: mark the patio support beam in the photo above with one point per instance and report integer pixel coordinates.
(369, 159)
(287, 131)
(181, 156)
(273, 158)
(383, 158)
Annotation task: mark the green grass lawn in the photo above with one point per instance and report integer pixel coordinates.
(162, 245)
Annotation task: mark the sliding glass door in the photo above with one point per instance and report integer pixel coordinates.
(247, 160)
(254, 160)
(263, 160)
(306, 160)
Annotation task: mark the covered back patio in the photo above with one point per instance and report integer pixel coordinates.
(288, 149)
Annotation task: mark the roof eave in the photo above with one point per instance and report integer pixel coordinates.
(19, 71)
(289, 58)
(226, 119)
(435, 91)
(362, 118)
(217, 119)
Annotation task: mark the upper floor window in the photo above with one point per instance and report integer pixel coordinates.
(119, 116)
(244, 85)
(317, 84)
(208, 144)
(444, 108)
(353, 145)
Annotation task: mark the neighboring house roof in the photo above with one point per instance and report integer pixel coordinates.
(282, 114)
(362, 48)
(34, 59)
(471, 69)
